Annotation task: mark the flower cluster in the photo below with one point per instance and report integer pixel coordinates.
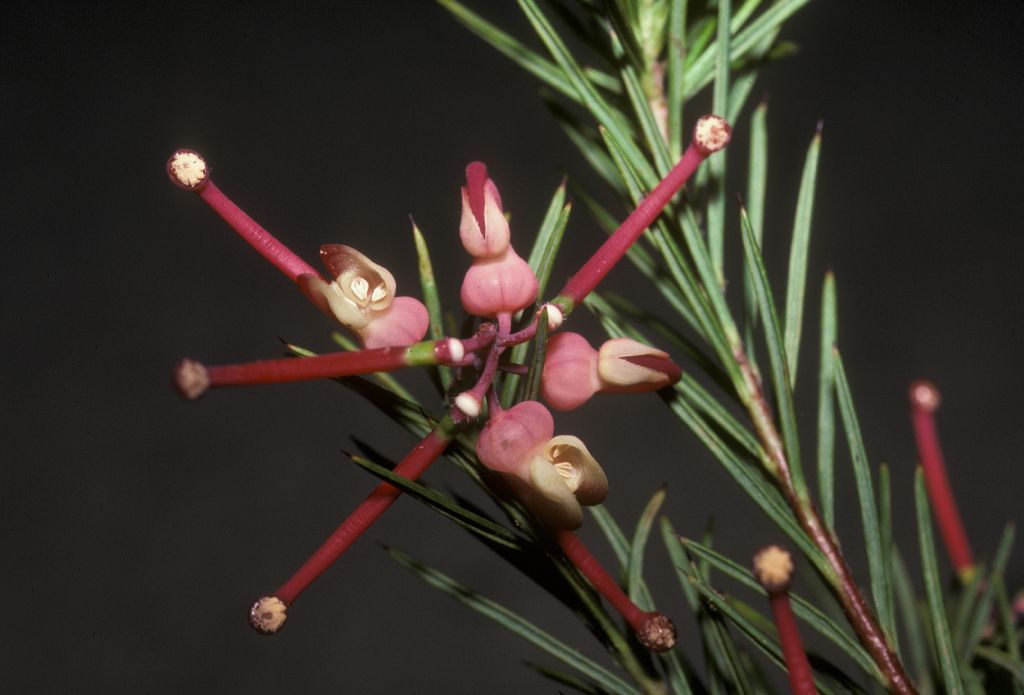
(551, 476)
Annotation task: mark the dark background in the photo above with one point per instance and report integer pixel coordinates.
(137, 528)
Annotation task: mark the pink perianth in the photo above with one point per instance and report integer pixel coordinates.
(411, 467)
(923, 402)
(476, 180)
(259, 238)
(611, 252)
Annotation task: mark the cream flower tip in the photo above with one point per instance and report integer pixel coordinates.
(468, 404)
(267, 615)
(555, 316)
(191, 379)
(773, 568)
(188, 170)
(658, 634)
(925, 395)
(456, 350)
(711, 134)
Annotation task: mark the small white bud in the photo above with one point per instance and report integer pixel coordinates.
(468, 404)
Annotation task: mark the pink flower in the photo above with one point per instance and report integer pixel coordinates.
(362, 298)
(574, 371)
(551, 476)
(499, 281)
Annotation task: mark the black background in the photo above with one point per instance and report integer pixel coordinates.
(136, 528)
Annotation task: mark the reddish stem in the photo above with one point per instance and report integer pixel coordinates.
(654, 629)
(801, 679)
(411, 467)
(710, 135)
(924, 401)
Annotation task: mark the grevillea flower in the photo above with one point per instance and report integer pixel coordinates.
(574, 371)
(361, 295)
(552, 476)
(362, 298)
(498, 281)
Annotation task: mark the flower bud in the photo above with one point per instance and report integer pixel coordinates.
(484, 230)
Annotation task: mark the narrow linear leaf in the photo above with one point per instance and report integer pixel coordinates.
(1003, 661)
(885, 536)
(642, 109)
(776, 353)
(736, 612)
(575, 682)
(933, 589)
(701, 70)
(798, 249)
(880, 591)
(432, 300)
(587, 95)
(803, 608)
(469, 520)
(516, 624)
(533, 63)
(826, 404)
(912, 624)
(635, 568)
(720, 105)
(983, 610)
(676, 76)
(1008, 624)
(541, 260)
(531, 386)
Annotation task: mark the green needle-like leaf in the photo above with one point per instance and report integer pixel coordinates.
(634, 575)
(701, 71)
(776, 353)
(587, 94)
(885, 536)
(536, 65)
(541, 261)
(983, 610)
(432, 300)
(866, 495)
(1008, 626)
(531, 386)
(912, 624)
(933, 589)
(720, 105)
(826, 404)
(739, 614)
(469, 520)
(676, 76)
(516, 624)
(797, 278)
(803, 608)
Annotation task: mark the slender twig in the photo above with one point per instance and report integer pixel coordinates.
(863, 621)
